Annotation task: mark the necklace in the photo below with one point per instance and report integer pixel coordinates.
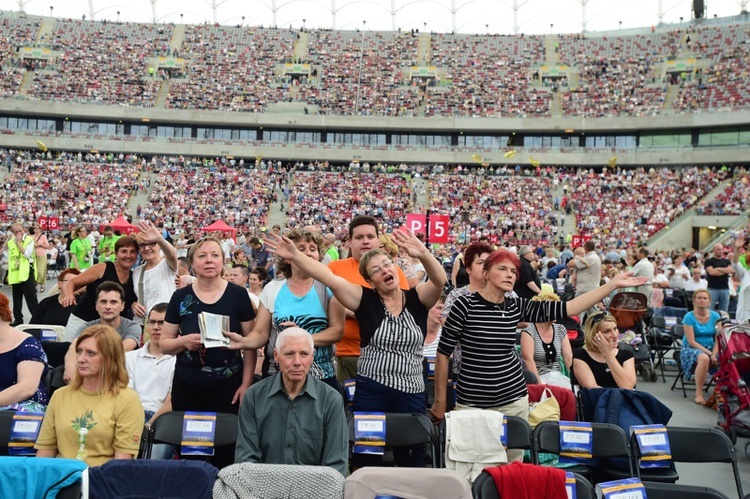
(299, 288)
(403, 304)
(500, 306)
(208, 295)
(122, 275)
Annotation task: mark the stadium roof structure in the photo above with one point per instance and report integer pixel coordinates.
(460, 16)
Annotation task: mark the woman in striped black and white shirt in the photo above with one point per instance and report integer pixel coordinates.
(485, 323)
(392, 324)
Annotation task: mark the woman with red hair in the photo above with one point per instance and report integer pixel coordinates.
(22, 366)
(485, 323)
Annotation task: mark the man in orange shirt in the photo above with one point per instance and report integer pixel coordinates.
(363, 233)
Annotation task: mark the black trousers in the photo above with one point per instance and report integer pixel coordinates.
(26, 289)
(187, 397)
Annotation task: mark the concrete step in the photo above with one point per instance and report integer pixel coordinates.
(178, 35)
(46, 30)
(551, 42)
(27, 83)
(424, 49)
(161, 97)
(301, 46)
(672, 93)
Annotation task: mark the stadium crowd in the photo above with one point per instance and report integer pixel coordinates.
(631, 205)
(364, 72)
(92, 190)
(81, 71)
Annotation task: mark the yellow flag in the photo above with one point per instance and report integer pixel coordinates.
(612, 162)
(509, 154)
(534, 162)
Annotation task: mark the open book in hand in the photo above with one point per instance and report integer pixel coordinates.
(212, 326)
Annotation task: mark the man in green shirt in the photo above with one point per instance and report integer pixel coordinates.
(291, 417)
(330, 249)
(107, 245)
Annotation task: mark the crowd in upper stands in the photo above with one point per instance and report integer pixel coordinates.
(369, 73)
(102, 63)
(230, 69)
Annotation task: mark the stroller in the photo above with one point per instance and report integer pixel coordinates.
(629, 308)
(733, 381)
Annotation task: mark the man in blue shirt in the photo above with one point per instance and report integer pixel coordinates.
(291, 417)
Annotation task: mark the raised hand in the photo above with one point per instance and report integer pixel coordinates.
(280, 246)
(626, 280)
(149, 231)
(408, 241)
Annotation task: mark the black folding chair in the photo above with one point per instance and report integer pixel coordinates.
(55, 379)
(661, 341)
(530, 378)
(484, 487)
(691, 445)
(656, 490)
(167, 429)
(609, 441)
(6, 423)
(403, 429)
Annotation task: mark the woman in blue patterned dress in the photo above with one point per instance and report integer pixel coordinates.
(23, 364)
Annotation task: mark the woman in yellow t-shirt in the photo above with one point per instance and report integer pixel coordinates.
(96, 418)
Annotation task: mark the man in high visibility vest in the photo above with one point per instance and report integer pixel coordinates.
(20, 271)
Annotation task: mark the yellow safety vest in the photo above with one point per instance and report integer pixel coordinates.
(19, 267)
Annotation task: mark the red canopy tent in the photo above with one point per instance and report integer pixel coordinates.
(121, 225)
(219, 225)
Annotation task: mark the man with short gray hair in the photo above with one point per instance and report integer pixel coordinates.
(291, 417)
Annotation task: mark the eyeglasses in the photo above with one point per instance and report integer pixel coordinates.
(153, 323)
(146, 245)
(380, 268)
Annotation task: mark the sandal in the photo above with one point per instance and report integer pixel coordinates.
(699, 400)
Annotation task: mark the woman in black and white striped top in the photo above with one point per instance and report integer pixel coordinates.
(485, 323)
(392, 322)
(545, 347)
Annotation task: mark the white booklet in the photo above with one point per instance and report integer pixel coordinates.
(211, 326)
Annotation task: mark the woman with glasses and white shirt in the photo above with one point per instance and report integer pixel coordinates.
(601, 364)
(154, 279)
(392, 322)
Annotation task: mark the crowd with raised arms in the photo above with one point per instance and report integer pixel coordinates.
(365, 319)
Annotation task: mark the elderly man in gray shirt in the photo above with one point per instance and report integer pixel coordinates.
(291, 417)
